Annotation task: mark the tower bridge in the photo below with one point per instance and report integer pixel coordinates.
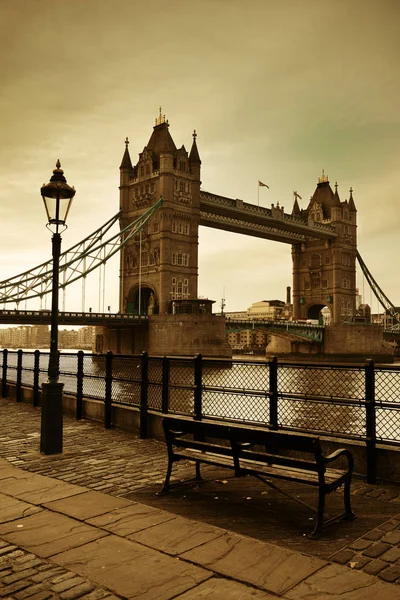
(161, 208)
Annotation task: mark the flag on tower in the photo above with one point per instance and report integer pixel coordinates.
(261, 184)
(296, 195)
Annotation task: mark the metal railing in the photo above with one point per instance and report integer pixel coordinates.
(355, 402)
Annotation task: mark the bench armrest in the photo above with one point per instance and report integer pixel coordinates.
(341, 452)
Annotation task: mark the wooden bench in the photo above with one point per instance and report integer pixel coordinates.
(263, 453)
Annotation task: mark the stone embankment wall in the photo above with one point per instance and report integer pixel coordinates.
(188, 335)
(345, 343)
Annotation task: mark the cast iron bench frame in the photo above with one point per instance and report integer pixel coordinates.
(262, 453)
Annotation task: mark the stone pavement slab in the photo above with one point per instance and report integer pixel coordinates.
(225, 589)
(335, 582)
(87, 505)
(132, 570)
(130, 519)
(38, 489)
(47, 533)
(11, 509)
(177, 536)
(263, 565)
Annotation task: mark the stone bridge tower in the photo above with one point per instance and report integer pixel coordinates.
(324, 272)
(160, 265)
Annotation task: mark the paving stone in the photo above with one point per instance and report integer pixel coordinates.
(77, 591)
(333, 583)
(37, 533)
(43, 595)
(343, 557)
(49, 574)
(374, 535)
(360, 544)
(375, 566)
(177, 535)
(238, 557)
(375, 493)
(393, 537)
(7, 549)
(87, 505)
(28, 565)
(391, 555)
(130, 569)
(391, 573)
(389, 526)
(225, 589)
(67, 584)
(359, 561)
(29, 591)
(13, 588)
(376, 549)
(19, 575)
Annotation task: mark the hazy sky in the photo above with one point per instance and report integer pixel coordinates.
(276, 89)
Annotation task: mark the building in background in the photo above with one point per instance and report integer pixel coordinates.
(38, 337)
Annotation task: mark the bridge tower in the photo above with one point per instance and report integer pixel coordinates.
(161, 264)
(324, 272)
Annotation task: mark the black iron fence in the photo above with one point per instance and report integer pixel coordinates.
(346, 401)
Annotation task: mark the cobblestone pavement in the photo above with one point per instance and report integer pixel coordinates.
(24, 576)
(119, 463)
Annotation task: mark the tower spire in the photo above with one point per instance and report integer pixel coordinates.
(194, 153)
(126, 159)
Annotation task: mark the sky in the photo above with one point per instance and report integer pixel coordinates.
(277, 90)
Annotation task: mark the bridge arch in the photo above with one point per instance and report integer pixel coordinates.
(147, 298)
(314, 312)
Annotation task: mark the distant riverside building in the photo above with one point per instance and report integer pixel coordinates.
(267, 310)
(38, 337)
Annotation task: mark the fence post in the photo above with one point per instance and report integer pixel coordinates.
(36, 367)
(4, 374)
(79, 386)
(198, 387)
(273, 393)
(144, 390)
(165, 385)
(108, 396)
(370, 420)
(18, 391)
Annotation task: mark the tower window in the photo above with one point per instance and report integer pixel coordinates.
(141, 171)
(147, 170)
(180, 259)
(182, 165)
(182, 186)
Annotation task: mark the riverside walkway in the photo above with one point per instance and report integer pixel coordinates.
(87, 524)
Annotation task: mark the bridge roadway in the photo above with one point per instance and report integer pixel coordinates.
(272, 223)
(43, 317)
(288, 329)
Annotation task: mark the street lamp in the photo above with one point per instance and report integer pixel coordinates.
(57, 197)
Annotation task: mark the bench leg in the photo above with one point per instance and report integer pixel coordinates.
(165, 487)
(320, 516)
(347, 502)
(198, 474)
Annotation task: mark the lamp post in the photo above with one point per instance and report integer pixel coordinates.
(57, 197)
